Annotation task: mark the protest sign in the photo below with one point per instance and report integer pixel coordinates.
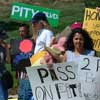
(92, 24)
(21, 51)
(57, 83)
(89, 75)
(25, 12)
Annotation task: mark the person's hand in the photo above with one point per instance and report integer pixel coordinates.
(48, 58)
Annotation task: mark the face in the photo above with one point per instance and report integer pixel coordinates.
(36, 26)
(23, 31)
(78, 41)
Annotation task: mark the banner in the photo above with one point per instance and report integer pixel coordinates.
(25, 12)
(92, 24)
(89, 75)
(55, 82)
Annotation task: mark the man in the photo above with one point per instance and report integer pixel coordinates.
(24, 31)
(26, 48)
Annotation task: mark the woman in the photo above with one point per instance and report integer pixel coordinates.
(78, 43)
(41, 26)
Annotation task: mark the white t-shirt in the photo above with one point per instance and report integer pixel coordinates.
(44, 38)
(72, 57)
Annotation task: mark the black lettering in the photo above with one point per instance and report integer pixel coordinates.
(66, 76)
(88, 62)
(58, 93)
(70, 71)
(88, 15)
(98, 64)
(96, 43)
(94, 32)
(40, 74)
(47, 92)
(92, 15)
(53, 74)
(72, 87)
(98, 16)
(39, 93)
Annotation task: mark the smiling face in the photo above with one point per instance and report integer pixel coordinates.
(78, 41)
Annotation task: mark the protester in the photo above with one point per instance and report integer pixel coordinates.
(25, 91)
(24, 31)
(60, 42)
(4, 58)
(78, 43)
(41, 25)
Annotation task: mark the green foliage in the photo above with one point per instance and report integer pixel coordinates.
(92, 3)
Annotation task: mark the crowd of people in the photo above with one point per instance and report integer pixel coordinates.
(58, 49)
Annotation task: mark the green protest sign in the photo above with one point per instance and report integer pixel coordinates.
(25, 12)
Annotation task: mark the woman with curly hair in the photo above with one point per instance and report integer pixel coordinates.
(78, 43)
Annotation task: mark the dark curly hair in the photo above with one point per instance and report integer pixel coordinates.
(88, 43)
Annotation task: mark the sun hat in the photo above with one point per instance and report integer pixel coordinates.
(76, 25)
(38, 17)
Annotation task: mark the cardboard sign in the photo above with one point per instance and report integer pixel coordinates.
(89, 75)
(21, 51)
(25, 12)
(92, 24)
(57, 83)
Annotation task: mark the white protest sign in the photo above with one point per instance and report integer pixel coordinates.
(89, 73)
(58, 83)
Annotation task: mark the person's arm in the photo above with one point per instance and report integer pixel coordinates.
(8, 58)
(53, 41)
(6, 46)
